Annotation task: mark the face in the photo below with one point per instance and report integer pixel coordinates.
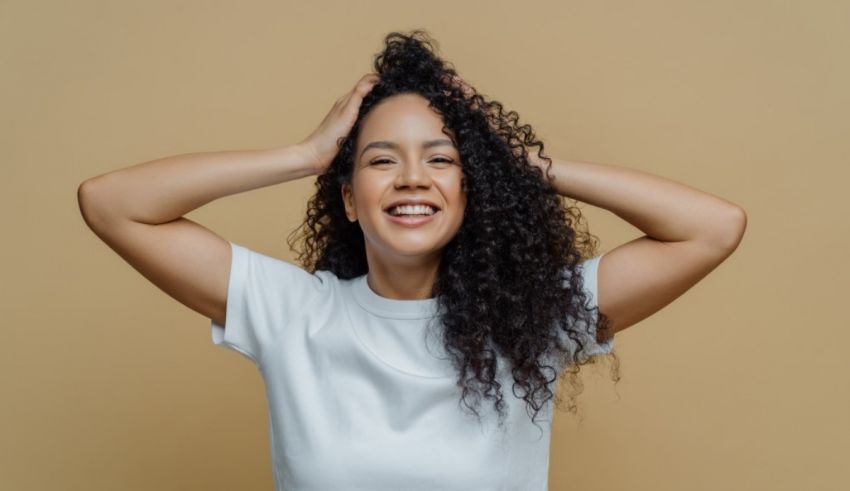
(400, 153)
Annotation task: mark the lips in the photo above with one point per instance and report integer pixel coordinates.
(411, 220)
(412, 201)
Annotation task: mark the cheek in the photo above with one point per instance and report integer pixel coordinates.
(369, 201)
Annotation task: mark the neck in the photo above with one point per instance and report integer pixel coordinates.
(406, 279)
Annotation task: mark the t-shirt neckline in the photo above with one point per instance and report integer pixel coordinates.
(391, 307)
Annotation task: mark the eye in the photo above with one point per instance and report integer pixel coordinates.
(435, 159)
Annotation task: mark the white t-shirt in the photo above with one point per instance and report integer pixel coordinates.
(361, 394)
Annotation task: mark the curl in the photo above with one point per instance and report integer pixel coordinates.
(505, 286)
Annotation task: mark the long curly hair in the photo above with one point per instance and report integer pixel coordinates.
(505, 286)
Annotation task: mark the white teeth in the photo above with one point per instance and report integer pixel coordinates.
(412, 210)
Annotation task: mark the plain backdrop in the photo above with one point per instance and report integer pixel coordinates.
(740, 384)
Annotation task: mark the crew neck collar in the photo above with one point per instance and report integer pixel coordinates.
(390, 307)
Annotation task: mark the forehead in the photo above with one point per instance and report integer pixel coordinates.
(403, 118)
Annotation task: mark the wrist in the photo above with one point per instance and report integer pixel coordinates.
(307, 157)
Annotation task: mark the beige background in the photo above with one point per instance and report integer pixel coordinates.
(741, 384)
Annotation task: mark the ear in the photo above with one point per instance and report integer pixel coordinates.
(348, 200)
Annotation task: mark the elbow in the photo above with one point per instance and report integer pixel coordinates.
(730, 230)
(84, 202)
(85, 193)
(92, 211)
(83, 197)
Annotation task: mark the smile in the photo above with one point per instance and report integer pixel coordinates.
(411, 220)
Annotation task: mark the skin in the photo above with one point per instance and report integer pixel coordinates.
(403, 261)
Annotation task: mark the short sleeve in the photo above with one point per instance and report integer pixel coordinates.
(590, 276)
(588, 269)
(263, 294)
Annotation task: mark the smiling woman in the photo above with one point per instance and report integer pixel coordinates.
(498, 251)
(404, 163)
(440, 266)
(437, 272)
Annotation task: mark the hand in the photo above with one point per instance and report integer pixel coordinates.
(321, 146)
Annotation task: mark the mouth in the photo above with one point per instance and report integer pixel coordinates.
(411, 220)
(434, 208)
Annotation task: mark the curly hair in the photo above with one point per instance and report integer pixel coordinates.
(504, 286)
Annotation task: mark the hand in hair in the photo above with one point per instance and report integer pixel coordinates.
(322, 144)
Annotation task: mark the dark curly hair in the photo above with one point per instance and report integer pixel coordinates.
(504, 287)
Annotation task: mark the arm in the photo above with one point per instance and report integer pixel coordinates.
(165, 189)
(688, 234)
(138, 212)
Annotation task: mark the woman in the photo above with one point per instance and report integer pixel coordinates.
(440, 267)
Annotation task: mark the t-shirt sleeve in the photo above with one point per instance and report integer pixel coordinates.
(590, 276)
(263, 294)
(588, 269)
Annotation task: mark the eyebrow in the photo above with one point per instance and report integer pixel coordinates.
(395, 146)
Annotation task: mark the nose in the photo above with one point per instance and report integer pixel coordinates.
(412, 173)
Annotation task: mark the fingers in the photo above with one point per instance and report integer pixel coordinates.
(370, 77)
(361, 88)
(366, 83)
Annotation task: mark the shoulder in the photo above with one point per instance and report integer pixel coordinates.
(271, 275)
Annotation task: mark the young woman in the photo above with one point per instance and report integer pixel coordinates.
(441, 267)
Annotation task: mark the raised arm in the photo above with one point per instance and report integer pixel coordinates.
(688, 234)
(138, 211)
